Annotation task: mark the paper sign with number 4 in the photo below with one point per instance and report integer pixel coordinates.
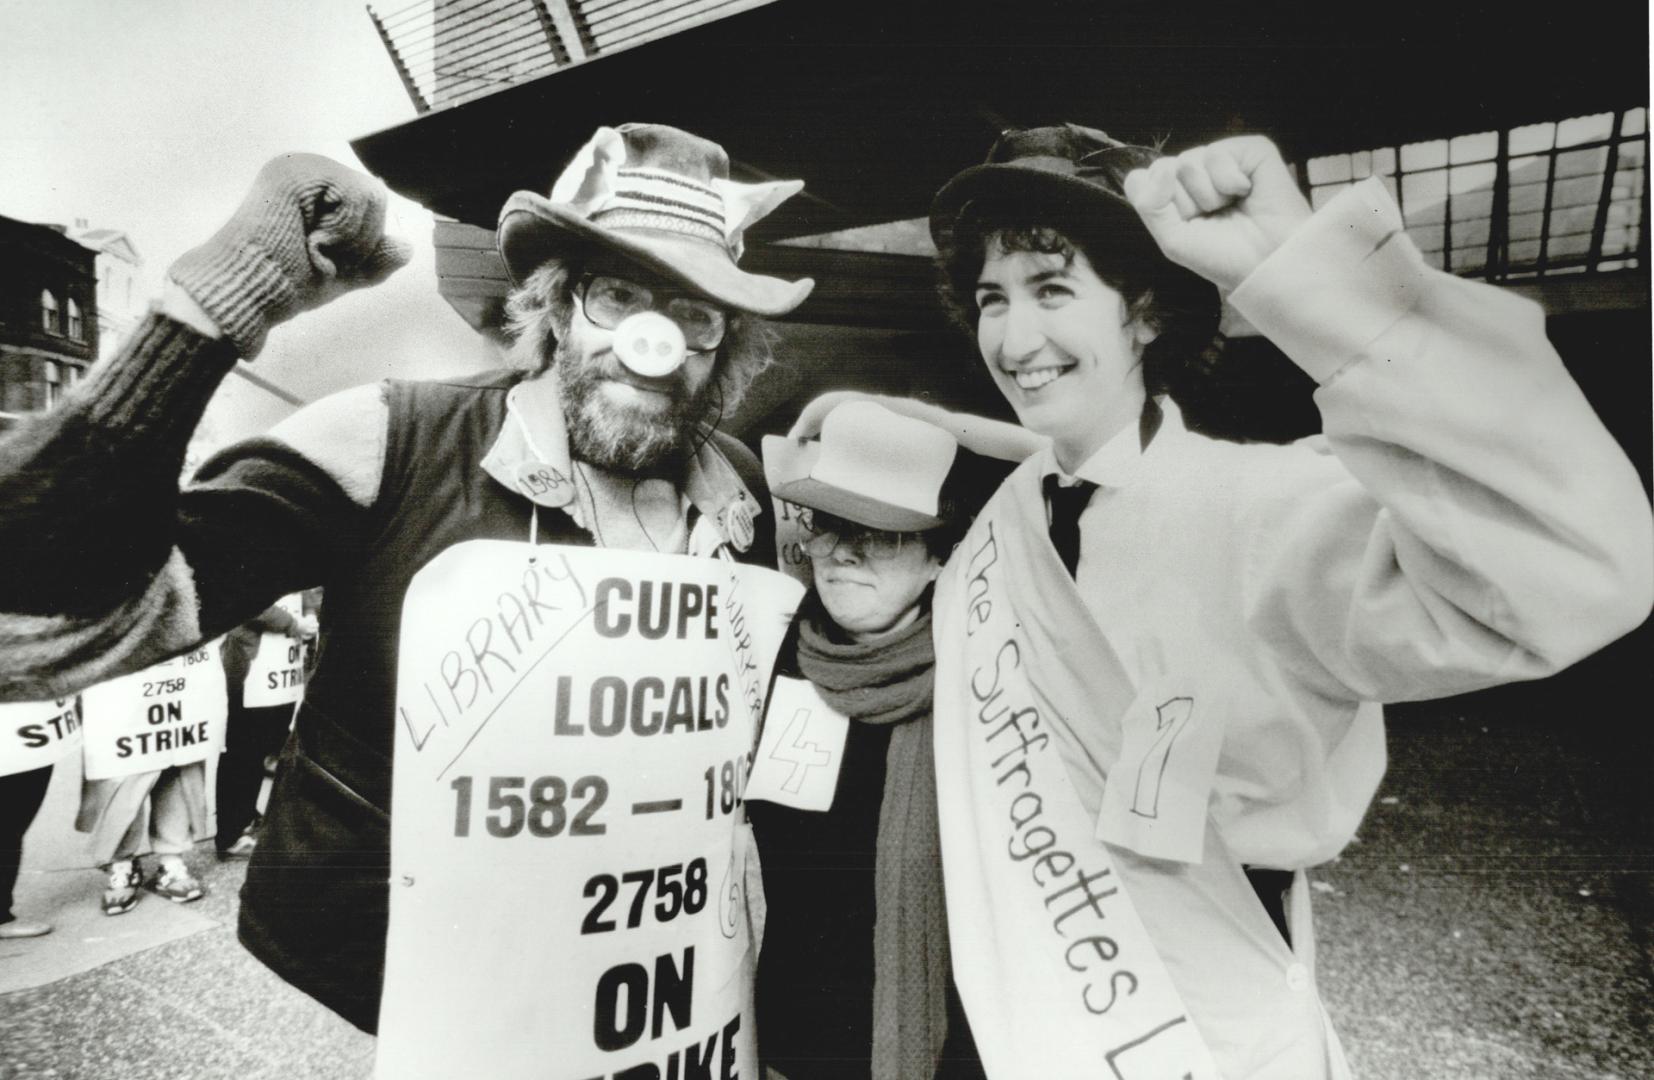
(801, 749)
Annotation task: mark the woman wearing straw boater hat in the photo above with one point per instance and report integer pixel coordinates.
(1160, 657)
(637, 332)
(853, 978)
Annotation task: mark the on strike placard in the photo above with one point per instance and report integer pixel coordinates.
(38, 733)
(276, 674)
(169, 714)
(567, 852)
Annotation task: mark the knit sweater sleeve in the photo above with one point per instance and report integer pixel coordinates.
(111, 568)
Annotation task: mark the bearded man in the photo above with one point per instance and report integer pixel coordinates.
(637, 332)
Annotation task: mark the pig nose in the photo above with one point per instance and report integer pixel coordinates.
(650, 344)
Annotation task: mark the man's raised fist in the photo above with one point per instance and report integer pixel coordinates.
(310, 230)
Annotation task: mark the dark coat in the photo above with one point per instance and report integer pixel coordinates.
(315, 905)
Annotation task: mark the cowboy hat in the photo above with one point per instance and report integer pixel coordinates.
(871, 466)
(662, 198)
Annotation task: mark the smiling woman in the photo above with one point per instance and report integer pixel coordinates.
(1218, 624)
(1058, 339)
(1076, 319)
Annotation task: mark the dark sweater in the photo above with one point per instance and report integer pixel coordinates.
(816, 968)
(815, 973)
(260, 522)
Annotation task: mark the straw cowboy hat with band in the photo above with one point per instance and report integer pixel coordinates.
(662, 198)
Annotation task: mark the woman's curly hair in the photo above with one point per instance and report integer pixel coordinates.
(538, 311)
(1182, 309)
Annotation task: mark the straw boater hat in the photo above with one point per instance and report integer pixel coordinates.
(872, 466)
(883, 469)
(1070, 178)
(663, 198)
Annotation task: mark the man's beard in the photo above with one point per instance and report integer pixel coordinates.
(621, 438)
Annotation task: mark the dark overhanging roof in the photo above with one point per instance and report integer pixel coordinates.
(875, 104)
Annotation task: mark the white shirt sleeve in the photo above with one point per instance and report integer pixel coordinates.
(344, 434)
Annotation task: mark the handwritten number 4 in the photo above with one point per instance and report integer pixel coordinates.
(802, 756)
(1170, 719)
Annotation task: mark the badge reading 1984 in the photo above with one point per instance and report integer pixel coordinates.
(544, 484)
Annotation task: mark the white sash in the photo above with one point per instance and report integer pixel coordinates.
(169, 714)
(1058, 974)
(567, 850)
(36, 734)
(1035, 708)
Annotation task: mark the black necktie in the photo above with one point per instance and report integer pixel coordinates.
(1067, 503)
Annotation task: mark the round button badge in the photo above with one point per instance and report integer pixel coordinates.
(739, 527)
(544, 484)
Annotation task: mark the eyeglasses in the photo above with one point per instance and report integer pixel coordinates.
(827, 532)
(606, 301)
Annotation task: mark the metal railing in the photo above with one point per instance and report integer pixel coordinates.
(1540, 200)
(448, 52)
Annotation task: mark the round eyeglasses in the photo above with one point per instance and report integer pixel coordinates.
(826, 532)
(607, 300)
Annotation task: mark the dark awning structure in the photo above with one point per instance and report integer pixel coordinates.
(876, 102)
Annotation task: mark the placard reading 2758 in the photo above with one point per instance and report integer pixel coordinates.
(567, 863)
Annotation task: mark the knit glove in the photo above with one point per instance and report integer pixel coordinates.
(309, 231)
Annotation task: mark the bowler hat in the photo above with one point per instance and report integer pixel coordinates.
(1074, 172)
(1070, 178)
(662, 198)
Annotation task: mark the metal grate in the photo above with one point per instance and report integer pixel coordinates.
(618, 24)
(448, 52)
(1541, 200)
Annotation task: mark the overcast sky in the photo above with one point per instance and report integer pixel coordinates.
(152, 116)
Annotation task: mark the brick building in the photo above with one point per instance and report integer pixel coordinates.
(123, 290)
(48, 316)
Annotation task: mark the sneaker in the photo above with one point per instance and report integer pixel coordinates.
(241, 849)
(18, 928)
(122, 894)
(180, 888)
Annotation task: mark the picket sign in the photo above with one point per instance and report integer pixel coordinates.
(568, 854)
(169, 714)
(792, 528)
(276, 674)
(36, 734)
